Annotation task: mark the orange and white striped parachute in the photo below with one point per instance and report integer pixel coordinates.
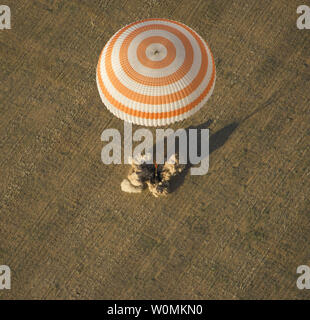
(155, 72)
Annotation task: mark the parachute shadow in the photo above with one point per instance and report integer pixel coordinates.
(216, 141)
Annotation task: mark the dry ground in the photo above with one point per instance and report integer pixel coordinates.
(238, 232)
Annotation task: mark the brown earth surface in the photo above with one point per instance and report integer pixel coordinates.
(238, 232)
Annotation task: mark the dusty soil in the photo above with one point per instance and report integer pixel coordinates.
(239, 232)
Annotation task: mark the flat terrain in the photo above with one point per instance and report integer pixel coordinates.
(239, 232)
